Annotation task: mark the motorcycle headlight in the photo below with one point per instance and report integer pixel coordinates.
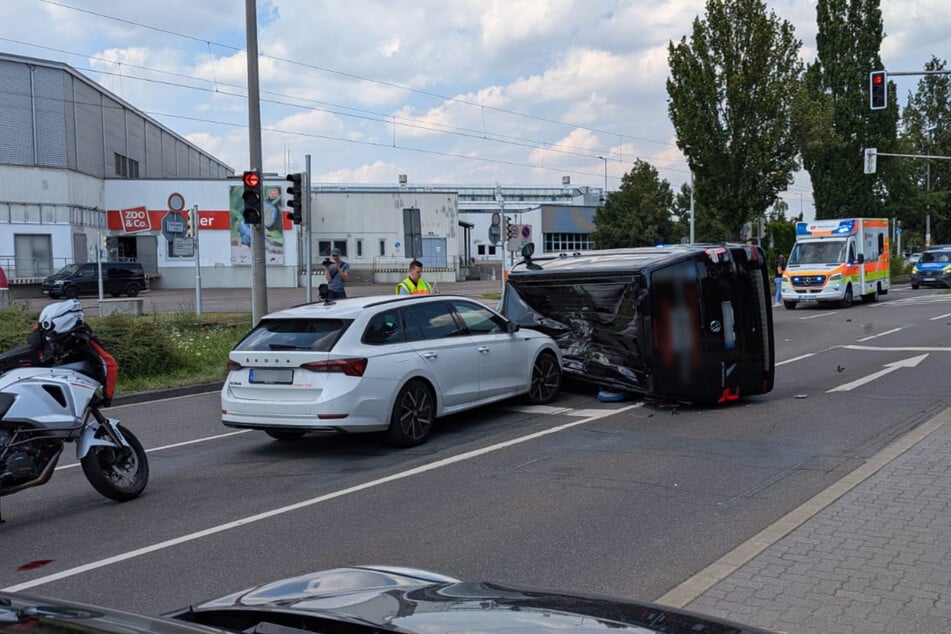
(835, 278)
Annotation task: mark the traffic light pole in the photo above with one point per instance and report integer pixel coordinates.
(308, 236)
(195, 224)
(258, 251)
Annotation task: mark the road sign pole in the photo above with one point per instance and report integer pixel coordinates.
(195, 225)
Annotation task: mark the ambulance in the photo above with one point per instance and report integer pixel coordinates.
(837, 261)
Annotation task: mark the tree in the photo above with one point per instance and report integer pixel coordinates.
(707, 227)
(730, 96)
(638, 214)
(832, 120)
(924, 130)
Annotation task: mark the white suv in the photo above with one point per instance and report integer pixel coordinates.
(391, 364)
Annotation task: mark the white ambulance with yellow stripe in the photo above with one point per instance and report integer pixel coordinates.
(837, 261)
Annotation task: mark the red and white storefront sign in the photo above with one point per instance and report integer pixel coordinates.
(135, 220)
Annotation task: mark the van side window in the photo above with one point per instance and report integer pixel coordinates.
(87, 270)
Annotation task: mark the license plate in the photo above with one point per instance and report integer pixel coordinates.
(271, 375)
(927, 279)
(806, 298)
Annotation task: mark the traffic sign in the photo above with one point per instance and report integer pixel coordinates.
(526, 232)
(176, 202)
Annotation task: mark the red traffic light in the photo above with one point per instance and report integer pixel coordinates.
(251, 179)
(878, 78)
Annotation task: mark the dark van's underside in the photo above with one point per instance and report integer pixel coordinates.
(684, 325)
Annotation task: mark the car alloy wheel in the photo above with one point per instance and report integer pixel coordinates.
(546, 379)
(413, 415)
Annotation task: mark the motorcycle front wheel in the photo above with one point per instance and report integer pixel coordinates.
(118, 473)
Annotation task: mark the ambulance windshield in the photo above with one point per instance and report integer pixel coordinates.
(818, 252)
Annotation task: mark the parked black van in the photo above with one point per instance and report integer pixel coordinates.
(82, 279)
(686, 323)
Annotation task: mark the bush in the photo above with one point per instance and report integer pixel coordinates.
(153, 351)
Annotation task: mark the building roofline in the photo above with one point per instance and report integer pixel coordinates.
(36, 61)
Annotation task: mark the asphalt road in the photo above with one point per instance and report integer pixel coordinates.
(624, 499)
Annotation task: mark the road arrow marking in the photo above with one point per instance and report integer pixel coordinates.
(889, 367)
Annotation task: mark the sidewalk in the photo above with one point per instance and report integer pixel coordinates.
(876, 557)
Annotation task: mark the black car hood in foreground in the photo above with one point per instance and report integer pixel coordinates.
(408, 600)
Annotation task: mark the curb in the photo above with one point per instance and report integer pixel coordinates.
(157, 395)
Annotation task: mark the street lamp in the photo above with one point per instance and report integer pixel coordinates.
(605, 177)
(930, 130)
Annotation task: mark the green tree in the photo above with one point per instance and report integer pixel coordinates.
(925, 131)
(707, 227)
(639, 213)
(832, 120)
(730, 96)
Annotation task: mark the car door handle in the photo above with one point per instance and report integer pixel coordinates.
(483, 349)
(430, 355)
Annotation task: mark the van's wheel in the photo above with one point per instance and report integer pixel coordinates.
(71, 292)
(132, 290)
(914, 287)
(413, 414)
(115, 294)
(847, 300)
(789, 305)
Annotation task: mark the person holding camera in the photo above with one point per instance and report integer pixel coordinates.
(336, 272)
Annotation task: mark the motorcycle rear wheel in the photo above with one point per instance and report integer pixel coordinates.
(118, 474)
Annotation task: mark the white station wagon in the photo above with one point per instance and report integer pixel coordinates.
(390, 363)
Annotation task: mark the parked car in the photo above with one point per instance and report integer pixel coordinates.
(390, 363)
(118, 278)
(365, 600)
(933, 269)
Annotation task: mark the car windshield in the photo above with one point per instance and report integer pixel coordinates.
(824, 252)
(69, 269)
(316, 335)
(936, 256)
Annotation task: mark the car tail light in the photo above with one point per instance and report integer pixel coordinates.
(233, 365)
(350, 367)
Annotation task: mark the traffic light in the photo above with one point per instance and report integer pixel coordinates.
(294, 199)
(190, 222)
(511, 230)
(252, 198)
(878, 89)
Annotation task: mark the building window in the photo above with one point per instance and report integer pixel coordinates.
(480, 250)
(382, 247)
(359, 248)
(492, 249)
(33, 255)
(567, 242)
(324, 247)
(125, 167)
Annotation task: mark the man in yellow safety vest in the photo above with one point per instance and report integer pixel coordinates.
(414, 284)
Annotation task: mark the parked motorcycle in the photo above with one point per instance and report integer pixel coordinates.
(46, 403)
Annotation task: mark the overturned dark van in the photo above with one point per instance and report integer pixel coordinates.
(687, 323)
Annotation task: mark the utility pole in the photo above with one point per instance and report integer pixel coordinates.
(308, 233)
(258, 251)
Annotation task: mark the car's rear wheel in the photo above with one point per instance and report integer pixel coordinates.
(914, 286)
(71, 292)
(546, 379)
(413, 415)
(285, 435)
(132, 289)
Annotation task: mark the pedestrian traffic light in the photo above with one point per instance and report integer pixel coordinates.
(878, 89)
(294, 198)
(252, 198)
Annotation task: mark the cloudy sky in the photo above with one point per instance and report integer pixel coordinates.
(454, 91)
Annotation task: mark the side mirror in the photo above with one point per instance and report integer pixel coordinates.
(528, 250)
(511, 327)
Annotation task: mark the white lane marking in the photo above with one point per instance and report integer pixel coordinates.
(794, 359)
(445, 462)
(542, 409)
(827, 314)
(944, 316)
(888, 369)
(898, 348)
(174, 445)
(881, 334)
